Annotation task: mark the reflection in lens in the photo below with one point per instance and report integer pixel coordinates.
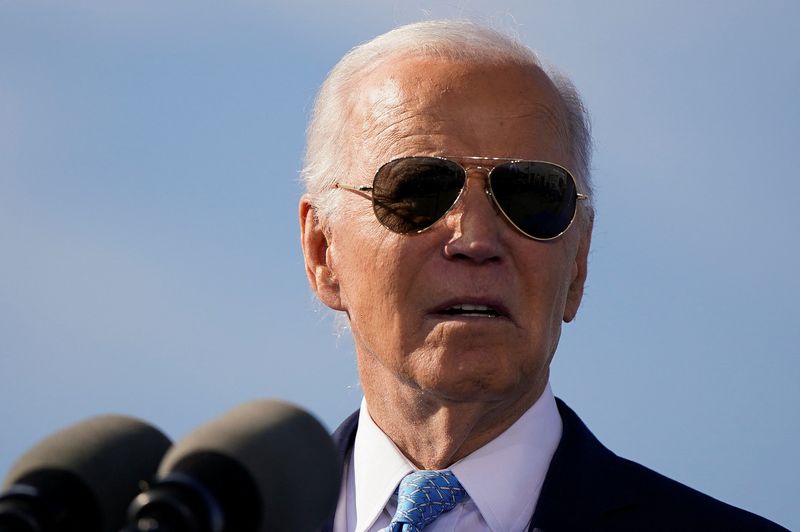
(412, 193)
(538, 197)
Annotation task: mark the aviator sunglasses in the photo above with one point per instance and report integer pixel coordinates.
(410, 194)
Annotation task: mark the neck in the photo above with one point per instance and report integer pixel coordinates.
(434, 431)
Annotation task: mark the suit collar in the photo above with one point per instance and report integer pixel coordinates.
(584, 479)
(345, 435)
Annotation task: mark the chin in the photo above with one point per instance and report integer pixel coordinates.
(465, 386)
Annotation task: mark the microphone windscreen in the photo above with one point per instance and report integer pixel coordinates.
(287, 453)
(109, 455)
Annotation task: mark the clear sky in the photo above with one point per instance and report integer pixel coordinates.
(149, 252)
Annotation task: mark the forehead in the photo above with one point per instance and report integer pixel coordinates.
(415, 106)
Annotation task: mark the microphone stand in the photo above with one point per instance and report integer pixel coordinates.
(176, 504)
(14, 520)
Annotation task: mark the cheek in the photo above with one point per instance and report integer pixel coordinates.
(547, 294)
(370, 272)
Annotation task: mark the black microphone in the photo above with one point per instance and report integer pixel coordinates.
(263, 466)
(81, 478)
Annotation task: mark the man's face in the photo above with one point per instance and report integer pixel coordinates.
(402, 292)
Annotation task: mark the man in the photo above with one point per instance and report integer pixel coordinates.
(448, 214)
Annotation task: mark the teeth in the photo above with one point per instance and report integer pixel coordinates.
(473, 310)
(470, 308)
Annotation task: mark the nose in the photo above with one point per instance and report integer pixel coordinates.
(476, 225)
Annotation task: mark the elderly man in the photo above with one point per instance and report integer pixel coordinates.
(448, 214)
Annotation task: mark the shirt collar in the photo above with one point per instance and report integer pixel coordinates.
(503, 478)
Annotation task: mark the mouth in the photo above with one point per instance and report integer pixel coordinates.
(471, 310)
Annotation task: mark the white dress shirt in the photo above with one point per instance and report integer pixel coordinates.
(503, 478)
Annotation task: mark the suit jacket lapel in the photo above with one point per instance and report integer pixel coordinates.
(582, 482)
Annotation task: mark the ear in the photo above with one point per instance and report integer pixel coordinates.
(579, 272)
(315, 239)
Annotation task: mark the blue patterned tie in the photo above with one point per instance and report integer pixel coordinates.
(422, 497)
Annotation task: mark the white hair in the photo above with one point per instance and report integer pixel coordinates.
(326, 138)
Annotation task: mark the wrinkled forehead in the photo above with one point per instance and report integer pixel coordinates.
(414, 106)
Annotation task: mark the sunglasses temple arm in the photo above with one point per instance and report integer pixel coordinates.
(355, 188)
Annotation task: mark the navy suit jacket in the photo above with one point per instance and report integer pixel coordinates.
(589, 488)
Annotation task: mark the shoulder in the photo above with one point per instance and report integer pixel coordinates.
(589, 487)
(669, 505)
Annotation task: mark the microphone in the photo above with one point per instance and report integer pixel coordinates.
(263, 466)
(81, 478)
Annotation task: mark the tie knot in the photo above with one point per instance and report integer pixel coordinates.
(423, 496)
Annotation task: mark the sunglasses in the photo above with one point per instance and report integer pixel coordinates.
(410, 194)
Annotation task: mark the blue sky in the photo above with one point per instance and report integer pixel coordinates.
(149, 251)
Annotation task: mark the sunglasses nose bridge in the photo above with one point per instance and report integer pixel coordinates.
(484, 173)
(481, 173)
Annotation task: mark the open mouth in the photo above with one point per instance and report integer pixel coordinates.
(482, 311)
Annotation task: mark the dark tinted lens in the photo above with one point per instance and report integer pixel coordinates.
(538, 197)
(410, 194)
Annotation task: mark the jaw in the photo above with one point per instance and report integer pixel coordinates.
(450, 418)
